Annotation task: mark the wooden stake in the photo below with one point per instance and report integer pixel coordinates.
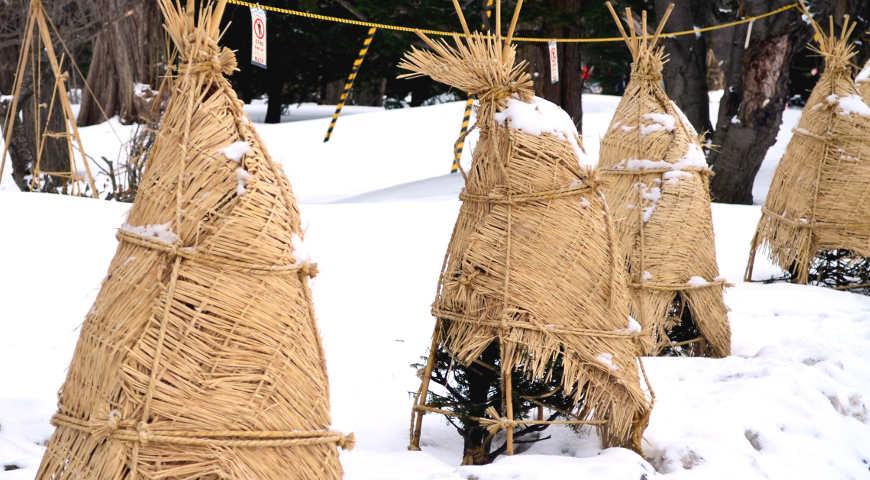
(16, 90)
(461, 17)
(498, 19)
(219, 8)
(64, 97)
(422, 393)
(36, 20)
(643, 24)
(509, 410)
(513, 25)
(661, 25)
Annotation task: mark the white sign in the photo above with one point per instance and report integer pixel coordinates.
(554, 62)
(258, 37)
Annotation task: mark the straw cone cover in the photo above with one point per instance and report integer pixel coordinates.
(533, 260)
(656, 181)
(819, 193)
(200, 357)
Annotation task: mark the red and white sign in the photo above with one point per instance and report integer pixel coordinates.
(554, 62)
(258, 37)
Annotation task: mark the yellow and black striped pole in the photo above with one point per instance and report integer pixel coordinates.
(488, 5)
(350, 78)
(460, 142)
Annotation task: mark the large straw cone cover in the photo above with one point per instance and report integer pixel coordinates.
(819, 193)
(211, 340)
(539, 274)
(662, 208)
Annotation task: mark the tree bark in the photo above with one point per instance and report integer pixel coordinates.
(20, 150)
(127, 51)
(276, 100)
(568, 91)
(685, 72)
(751, 109)
(477, 441)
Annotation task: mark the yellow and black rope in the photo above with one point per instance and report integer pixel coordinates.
(350, 79)
(402, 28)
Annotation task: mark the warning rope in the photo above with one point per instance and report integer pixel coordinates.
(444, 33)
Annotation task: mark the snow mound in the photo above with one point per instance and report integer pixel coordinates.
(792, 402)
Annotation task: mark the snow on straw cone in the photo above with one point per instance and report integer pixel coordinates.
(656, 182)
(819, 193)
(200, 357)
(862, 80)
(533, 262)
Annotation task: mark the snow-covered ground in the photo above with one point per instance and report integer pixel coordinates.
(790, 403)
(373, 149)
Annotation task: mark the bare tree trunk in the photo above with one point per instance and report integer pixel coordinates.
(275, 106)
(685, 72)
(127, 51)
(756, 92)
(477, 442)
(568, 91)
(55, 153)
(332, 92)
(715, 75)
(20, 150)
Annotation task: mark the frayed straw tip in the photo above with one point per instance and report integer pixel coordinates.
(347, 442)
(310, 269)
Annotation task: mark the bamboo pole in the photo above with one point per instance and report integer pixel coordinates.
(64, 97)
(16, 89)
(422, 393)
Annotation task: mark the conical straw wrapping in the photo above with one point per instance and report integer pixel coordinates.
(200, 357)
(656, 181)
(819, 193)
(533, 262)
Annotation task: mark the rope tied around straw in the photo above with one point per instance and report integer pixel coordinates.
(493, 422)
(515, 199)
(648, 77)
(142, 433)
(805, 223)
(550, 329)
(208, 56)
(498, 94)
(173, 250)
(679, 287)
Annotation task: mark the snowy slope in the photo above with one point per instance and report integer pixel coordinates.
(256, 111)
(790, 403)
